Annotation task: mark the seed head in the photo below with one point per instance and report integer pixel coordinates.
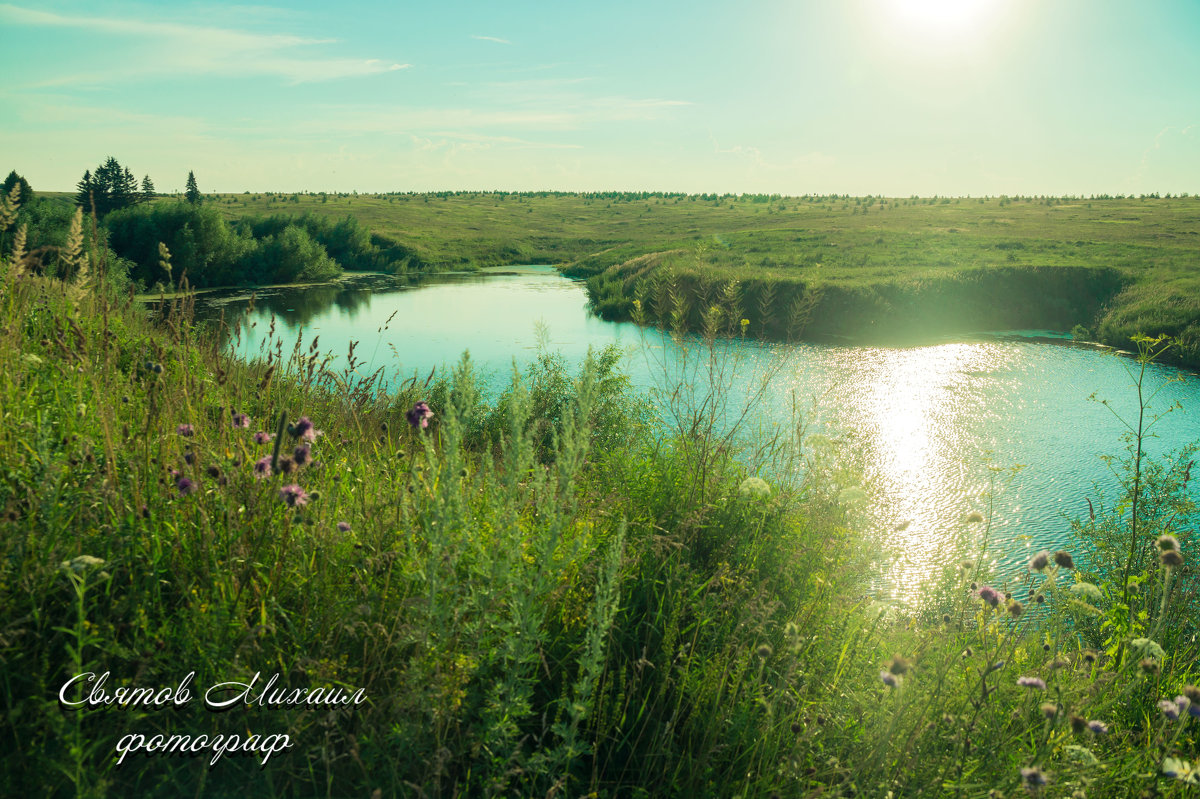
(899, 665)
(1097, 727)
(1171, 558)
(1034, 777)
(764, 651)
(1050, 710)
(1015, 609)
(974, 517)
(1039, 562)
(1078, 723)
(889, 679)
(1064, 559)
(1150, 666)
(1168, 543)
(1032, 682)
(1169, 709)
(343, 527)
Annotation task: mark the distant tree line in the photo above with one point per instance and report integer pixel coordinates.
(259, 251)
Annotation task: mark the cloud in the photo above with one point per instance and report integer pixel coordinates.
(491, 39)
(203, 49)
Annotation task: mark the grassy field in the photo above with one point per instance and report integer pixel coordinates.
(561, 593)
(893, 269)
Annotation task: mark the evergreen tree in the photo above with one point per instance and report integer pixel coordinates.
(14, 179)
(129, 193)
(86, 188)
(192, 192)
(148, 192)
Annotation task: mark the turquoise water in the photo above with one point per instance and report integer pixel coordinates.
(922, 423)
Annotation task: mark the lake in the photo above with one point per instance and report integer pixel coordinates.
(924, 422)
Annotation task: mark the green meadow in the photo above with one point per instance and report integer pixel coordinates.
(819, 267)
(560, 590)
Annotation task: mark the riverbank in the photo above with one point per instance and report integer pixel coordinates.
(870, 268)
(554, 592)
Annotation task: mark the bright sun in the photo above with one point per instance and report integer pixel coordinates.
(943, 17)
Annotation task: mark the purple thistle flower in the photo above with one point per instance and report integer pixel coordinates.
(1169, 709)
(241, 420)
(293, 495)
(989, 595)
(889, 679)
(343, 527)
(186, 430)
(419, 415)
(263, 438)
(303, 428)
(1098, 727)
(1034, 776)
(302, 454)
(262, 468)
(1032, 682)
(186, 486)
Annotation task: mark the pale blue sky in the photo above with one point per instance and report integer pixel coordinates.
(893, 97)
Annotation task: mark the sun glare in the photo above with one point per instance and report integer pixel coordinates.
(942, 17)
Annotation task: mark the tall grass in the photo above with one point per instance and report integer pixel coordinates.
(559, 591)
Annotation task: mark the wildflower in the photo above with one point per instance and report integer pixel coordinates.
(1192, 692)
(755, 488)
(186, 486)
(1034, 777)
(1040, 561)
(262, 468)
(213, 472)
(1171, 558)
(900, 665)
(1086, 591)
(1147, 648)
(81, 563)
(343, 527)
(1078, 723)
(1032, 682)
(419, 415)
(848, 496)
(1150, 666)
(241, 420)
(1181, 770)
(302, 454)
(764, 651)
(1015, 609)
(186, 430)
(303, 428)
(989, 595)
(1185, 705)
(293, 495)
(1168, 543)
(1050, 710)
(1064, 559)
(889, 679)
(262, 437)
(1169, 709)
(1098, 727)
(974, 517)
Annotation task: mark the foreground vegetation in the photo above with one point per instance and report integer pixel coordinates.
(558, 591)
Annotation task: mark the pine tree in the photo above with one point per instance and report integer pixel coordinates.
(148, 192)
(129, 193)
(14, 179)
(86, 188)
(192, 193)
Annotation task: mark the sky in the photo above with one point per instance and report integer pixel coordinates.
(891, 97)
